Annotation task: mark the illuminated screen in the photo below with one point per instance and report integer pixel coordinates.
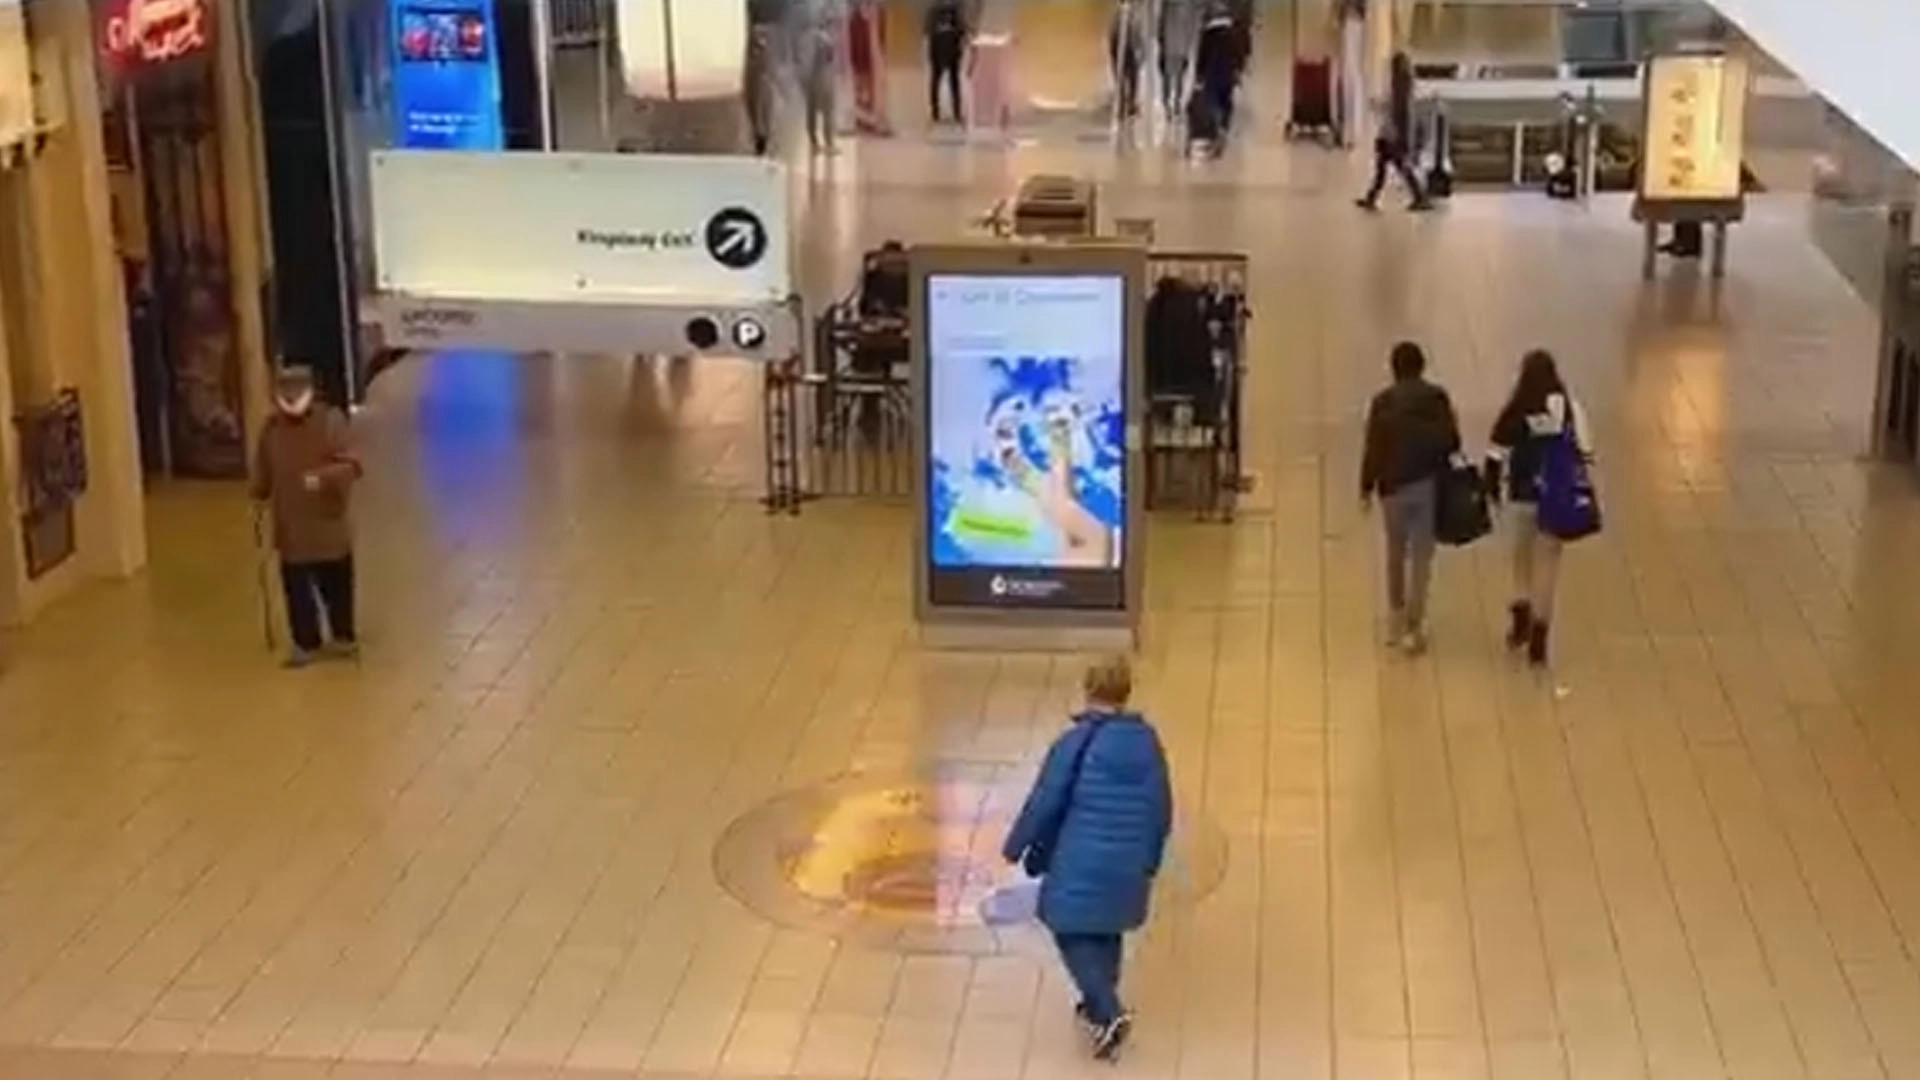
(446, 75)
(1696, 128)
(1026, 399)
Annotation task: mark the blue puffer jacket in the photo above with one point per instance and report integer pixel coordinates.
(1103, 833)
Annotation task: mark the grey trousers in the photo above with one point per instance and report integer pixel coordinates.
(1408, 514)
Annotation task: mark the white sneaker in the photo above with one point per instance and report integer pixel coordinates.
(1109, 1040)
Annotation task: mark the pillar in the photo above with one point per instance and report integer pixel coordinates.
(67, 323)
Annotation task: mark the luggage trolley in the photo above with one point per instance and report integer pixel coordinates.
(1194, 386)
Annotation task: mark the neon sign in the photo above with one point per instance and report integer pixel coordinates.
(156, 31)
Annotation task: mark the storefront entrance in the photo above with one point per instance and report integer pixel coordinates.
(162, 126)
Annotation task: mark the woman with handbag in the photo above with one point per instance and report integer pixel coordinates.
(1538, 461)
(1094, 831)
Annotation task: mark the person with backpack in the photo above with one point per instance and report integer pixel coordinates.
(1094, 830)
(1412, 434)
(303, 474)
(1216, 74)
(1537, 460)
(1393, 145)
(947, 34)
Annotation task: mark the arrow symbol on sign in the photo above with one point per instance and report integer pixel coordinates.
(740, 237)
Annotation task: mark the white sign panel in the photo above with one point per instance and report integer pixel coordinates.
(755, 332)
(16, 75)
(624, 228)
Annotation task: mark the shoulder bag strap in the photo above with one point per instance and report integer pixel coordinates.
(1073, 779)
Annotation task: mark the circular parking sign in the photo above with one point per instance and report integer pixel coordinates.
(749, 334)
(736, 238)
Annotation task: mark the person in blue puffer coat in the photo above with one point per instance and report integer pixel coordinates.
(1094, 830)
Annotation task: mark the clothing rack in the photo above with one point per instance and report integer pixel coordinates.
(1194, 387)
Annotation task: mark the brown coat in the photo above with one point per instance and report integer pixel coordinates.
(309, 524)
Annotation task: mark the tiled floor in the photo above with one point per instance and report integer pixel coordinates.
(492, 847)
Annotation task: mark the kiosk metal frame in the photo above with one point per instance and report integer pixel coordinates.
(1016, 624)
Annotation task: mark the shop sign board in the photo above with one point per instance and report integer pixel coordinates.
(1695, 128)
(634, 228)
(16, 75)
(146, 33)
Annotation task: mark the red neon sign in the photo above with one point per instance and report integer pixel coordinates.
(156, 31)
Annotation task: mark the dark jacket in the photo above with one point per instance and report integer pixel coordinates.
(1411, 432)
(1105, 830)
(1518, 448)
(1399, 126)
(309, 526)
(946, 29)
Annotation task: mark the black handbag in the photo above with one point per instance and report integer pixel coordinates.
(1038, 858)
(1462, 511)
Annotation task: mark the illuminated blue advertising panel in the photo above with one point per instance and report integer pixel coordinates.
(1025, 399)
(446, 75)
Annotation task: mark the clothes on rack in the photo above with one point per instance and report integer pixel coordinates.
(1188, 325)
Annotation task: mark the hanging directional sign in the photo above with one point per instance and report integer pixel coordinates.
(648, 227)
(736, 237)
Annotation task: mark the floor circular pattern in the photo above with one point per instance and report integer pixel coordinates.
(901, 861)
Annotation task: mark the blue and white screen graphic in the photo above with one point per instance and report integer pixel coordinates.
(1026, 433)
(446, 75)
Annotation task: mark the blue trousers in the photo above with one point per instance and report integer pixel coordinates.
(1093, 962)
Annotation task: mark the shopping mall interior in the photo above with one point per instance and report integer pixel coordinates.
(635, 778)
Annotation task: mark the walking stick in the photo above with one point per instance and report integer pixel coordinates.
(261, 584)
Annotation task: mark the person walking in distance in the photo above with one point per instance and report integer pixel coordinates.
(1126, 53)
(1411, 435)
(1094, 830)
(947, 34)
(826, 22)
(304, 472)
(1178, 33)
(1538, 413)
(757, 79)
(1393, 144)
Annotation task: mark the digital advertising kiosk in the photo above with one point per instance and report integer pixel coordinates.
(1028, 394)
(1694, 139)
